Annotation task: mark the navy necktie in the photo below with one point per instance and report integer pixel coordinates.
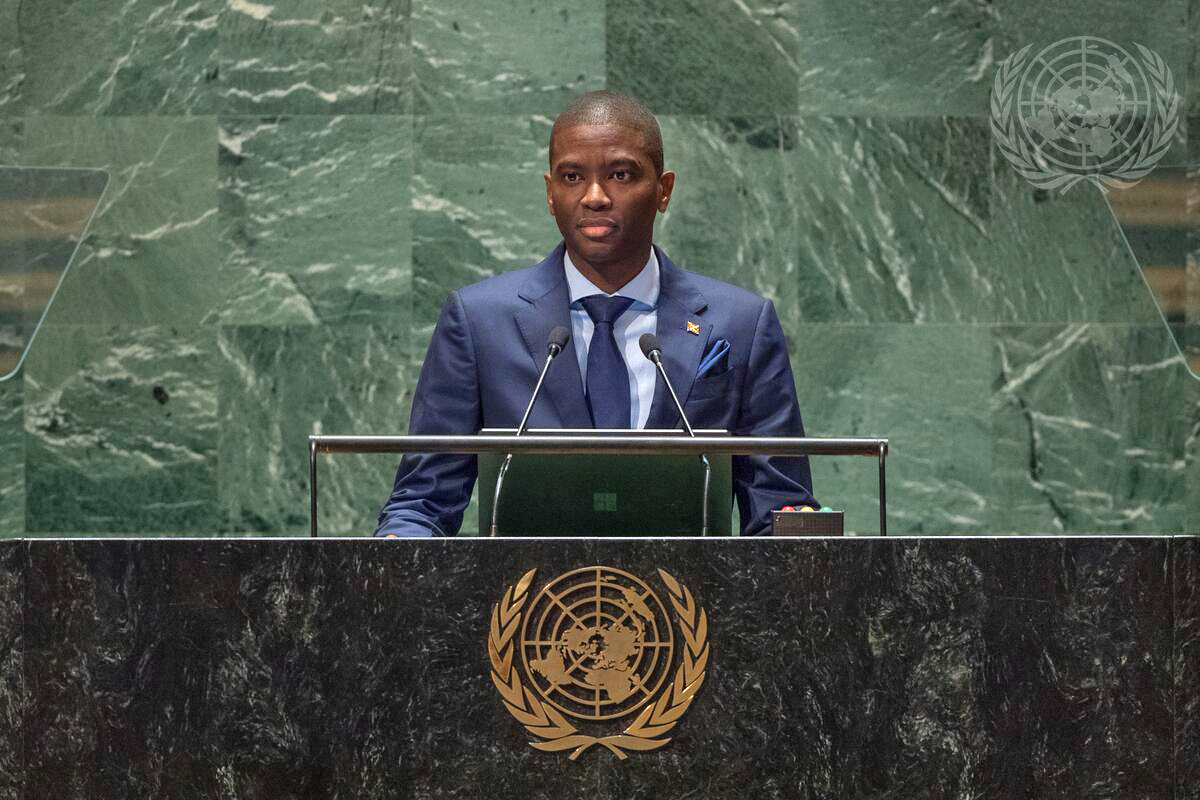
(607, 375)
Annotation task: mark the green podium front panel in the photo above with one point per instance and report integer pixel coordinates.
(524, 668)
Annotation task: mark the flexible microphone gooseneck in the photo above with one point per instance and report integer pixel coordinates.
(652, 350)
(554, 345)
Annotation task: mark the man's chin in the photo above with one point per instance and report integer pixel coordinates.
(596, 252)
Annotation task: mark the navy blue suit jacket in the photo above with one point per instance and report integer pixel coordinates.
(489, 347)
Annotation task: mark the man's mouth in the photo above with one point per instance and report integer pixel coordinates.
(596, 228)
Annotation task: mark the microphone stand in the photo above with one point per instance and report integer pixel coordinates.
(654, 356)
(555, 349)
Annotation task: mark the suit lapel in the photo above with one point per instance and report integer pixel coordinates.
(678, 304)
(549, 307)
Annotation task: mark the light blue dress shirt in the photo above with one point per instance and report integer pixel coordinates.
(641, 317)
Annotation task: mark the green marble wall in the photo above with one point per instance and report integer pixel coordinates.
(296, 186)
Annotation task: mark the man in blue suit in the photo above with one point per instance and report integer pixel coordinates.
(722, 346)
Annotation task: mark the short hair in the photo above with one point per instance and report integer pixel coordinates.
(605, 107)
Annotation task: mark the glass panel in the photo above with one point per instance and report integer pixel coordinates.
(1158, 217)
(44, 214)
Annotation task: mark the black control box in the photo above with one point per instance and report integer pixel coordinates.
(808, 523)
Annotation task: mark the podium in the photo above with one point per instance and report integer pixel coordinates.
(869, 667)
(628, 443)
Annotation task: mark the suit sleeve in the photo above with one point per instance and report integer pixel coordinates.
(769, 408)
(431, 491)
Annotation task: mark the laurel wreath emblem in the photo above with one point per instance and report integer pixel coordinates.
(1034, 167)
(648, 729)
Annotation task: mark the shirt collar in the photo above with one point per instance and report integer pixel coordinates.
(643, 289)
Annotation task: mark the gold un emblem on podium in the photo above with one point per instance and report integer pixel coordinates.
(593, 646)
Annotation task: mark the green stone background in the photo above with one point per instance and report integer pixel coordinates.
(296, 186)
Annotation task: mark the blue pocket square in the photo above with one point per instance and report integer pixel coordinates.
(716, 360)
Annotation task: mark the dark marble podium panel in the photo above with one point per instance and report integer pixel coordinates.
(897, 668)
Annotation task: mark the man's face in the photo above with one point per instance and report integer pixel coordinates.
(604, 194)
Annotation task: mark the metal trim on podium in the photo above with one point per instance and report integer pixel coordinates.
(546, 444)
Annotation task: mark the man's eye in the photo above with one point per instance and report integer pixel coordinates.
(570, 177)
(621, 174)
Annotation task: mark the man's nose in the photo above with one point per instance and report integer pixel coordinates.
(596, 198)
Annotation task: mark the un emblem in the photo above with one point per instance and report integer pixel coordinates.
(1084, 109)
(593, 646)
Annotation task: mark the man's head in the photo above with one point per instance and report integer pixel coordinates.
(612, 108)
(606, 184)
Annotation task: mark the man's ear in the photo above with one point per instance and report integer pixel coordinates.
(549, 198)
(666, 185)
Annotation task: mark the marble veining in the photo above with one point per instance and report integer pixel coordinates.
(1185, 576)
(864, 380)
(693, 57)
(14, 691)
(501, 56)
(315, 57)
(1046, 427)
(314, 217)
(895, 220)
(112, 57)
(121, 437)
(479, 202)
(150, 255)
(330, 171)
(264, 378)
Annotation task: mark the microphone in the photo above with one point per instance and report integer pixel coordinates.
(558, 340)
(652, 350)
(554, 345)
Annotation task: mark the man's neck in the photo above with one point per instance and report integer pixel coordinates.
(609, 278)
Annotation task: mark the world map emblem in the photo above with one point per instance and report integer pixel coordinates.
(596, 658)
(1084, 109)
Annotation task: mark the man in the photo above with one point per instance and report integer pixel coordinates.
(723, 347)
